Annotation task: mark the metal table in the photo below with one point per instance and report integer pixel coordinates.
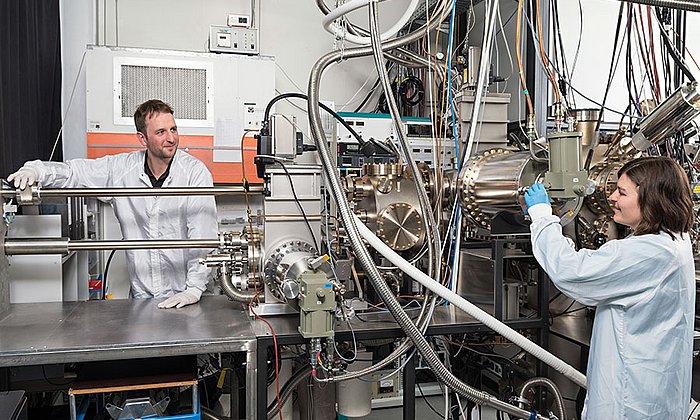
(45, 333)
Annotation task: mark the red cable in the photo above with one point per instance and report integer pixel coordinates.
(274, 340)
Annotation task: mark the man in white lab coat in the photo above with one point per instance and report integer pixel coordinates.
(643, 288)
(156, 273)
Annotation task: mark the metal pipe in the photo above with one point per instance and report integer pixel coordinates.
(690, 5)
(227, 286)
(337, 190)
(558, 400)
(434, 249)
(135, 192)
(64, 246)
(361, 252)
(672, 115)
(36, 246)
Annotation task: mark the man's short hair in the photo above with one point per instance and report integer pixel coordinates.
(146, 110)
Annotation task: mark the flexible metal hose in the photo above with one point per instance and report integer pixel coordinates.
(424, 316)
(361, 251)
(471, 309)
(287, 390)
(208, 414)
(433, 237)
(418, 61)
(558, 399)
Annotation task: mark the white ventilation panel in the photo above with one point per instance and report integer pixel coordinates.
(184, 85)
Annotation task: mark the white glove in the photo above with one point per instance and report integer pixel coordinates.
(187, 297)
(25, 177)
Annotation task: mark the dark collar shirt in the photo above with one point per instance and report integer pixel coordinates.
(156, 183)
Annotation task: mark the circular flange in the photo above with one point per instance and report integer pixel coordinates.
(382, 169)
(604, 175)
(467, 181)
(400, 226)
(275, 258)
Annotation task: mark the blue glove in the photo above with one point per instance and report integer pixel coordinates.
(536, 194)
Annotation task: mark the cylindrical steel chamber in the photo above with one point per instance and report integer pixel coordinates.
(494, 181)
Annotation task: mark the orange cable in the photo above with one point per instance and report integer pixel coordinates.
(274, 340)
(544, 57)
(520, 61)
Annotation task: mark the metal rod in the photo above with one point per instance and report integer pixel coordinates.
(132, 192)
(64, 246)
(141, 244)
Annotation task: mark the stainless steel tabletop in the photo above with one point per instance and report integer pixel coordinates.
(40, 333)
(382, 323)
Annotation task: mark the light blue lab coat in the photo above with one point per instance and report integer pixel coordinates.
(643, 288)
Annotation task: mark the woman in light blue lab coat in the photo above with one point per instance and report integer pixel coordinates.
(643, 288)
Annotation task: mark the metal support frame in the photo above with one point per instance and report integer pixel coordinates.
(409, 388)
(289, 336)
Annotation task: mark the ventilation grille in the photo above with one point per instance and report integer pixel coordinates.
(185, 90)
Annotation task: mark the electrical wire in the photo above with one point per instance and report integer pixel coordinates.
(323, 106)
(346, 318)
(70, 102)
(420, 390)
(104, 278)
(675, 54)
(580, 36)
(274, 340)
(394, 372)
(296, 198)
(540, 39)
(46, 378)
(521, 72)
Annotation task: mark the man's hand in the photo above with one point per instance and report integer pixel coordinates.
(536, 194)
(25, 177)
(187, 297)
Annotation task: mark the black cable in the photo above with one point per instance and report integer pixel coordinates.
(104, 278)
(567, 308)
(556, 296)
(411, 91)
(629, 75)
(323, 106)
(611, 74)
(614, 111)
(301, 207)
(593, 101)
(46, 378)
(571, 311)
(558, 42)
(693, 410)
(369, 95)
(420, 390)
(672, 51)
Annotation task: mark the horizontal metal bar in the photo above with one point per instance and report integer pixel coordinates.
(135, 192)
(64, 246)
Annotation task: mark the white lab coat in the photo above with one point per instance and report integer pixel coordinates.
(156, 272)
(643, 287)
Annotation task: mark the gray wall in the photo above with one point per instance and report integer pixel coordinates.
(290, 30)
